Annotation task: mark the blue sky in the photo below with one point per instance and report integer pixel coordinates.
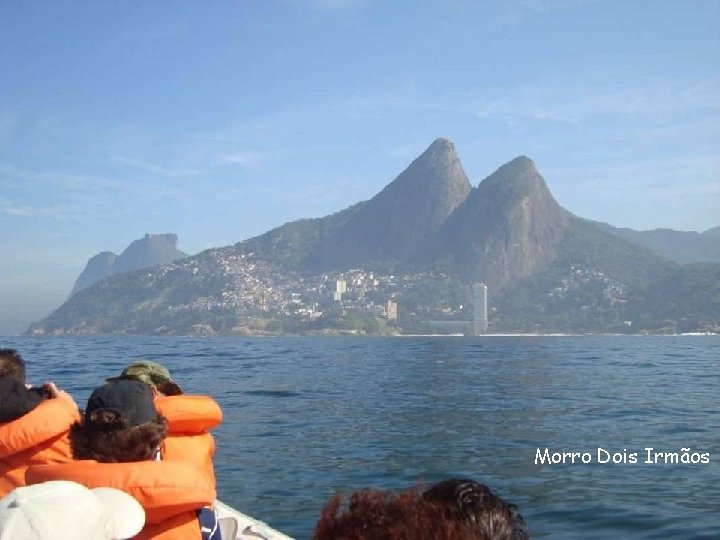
(220, 120)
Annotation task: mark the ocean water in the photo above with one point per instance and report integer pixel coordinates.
(306, 417)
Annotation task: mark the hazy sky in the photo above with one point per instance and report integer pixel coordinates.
(220, 120)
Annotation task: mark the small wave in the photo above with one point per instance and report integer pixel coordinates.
(272, 393)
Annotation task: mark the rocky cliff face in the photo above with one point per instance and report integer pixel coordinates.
(508, 228)
(397, 223)
(152, 250)
(97, 268)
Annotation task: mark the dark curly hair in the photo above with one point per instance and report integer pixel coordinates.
(468, 501)
(105, 437)
(381, 515)
(454, 509)
(12, 365)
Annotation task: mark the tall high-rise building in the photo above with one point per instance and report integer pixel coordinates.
(480, 308)
(340, 289)
(341, 286)
(392, 313)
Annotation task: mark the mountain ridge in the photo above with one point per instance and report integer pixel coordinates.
(421, 241)
(680, 246)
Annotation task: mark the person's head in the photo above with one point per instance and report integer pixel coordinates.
(382, 515)
(60, 508)
(153, 374)
(12, 365)
(473, 503)
(454, 509)
(16, 400)
(120, 424)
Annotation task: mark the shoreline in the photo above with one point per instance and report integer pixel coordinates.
(346, 333)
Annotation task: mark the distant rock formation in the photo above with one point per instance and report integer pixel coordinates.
(544, 265)
(98, 267)
(151, 250)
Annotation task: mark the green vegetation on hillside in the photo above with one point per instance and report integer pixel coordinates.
(598, 284)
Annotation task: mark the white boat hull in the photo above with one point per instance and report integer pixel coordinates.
(248, 528)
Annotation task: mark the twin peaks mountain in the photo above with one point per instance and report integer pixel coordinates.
(420, 242)
(431, 217)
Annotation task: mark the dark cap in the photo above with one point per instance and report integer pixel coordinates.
(132, 400)
(15, 399)
(151, 373)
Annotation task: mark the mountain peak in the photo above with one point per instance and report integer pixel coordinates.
(508, 228)
(518, 175)
(169, 238)
(439, 155)
(520, 166)
(397, 222)
(151, 250)
(441, 143)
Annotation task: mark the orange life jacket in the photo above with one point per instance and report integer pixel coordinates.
(190, 417)
(169, 491)
(36, 438)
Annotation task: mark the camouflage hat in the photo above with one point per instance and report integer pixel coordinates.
(152, 374)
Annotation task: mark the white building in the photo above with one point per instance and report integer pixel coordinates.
(340, 289)
(392, 313)
(480, 311)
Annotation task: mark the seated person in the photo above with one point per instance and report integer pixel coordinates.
(189, 417)
(62, 510)
(34, 423)
(155, 375)
(412, 515)
(118, 445)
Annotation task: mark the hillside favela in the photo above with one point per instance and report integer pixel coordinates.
(432, 253)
